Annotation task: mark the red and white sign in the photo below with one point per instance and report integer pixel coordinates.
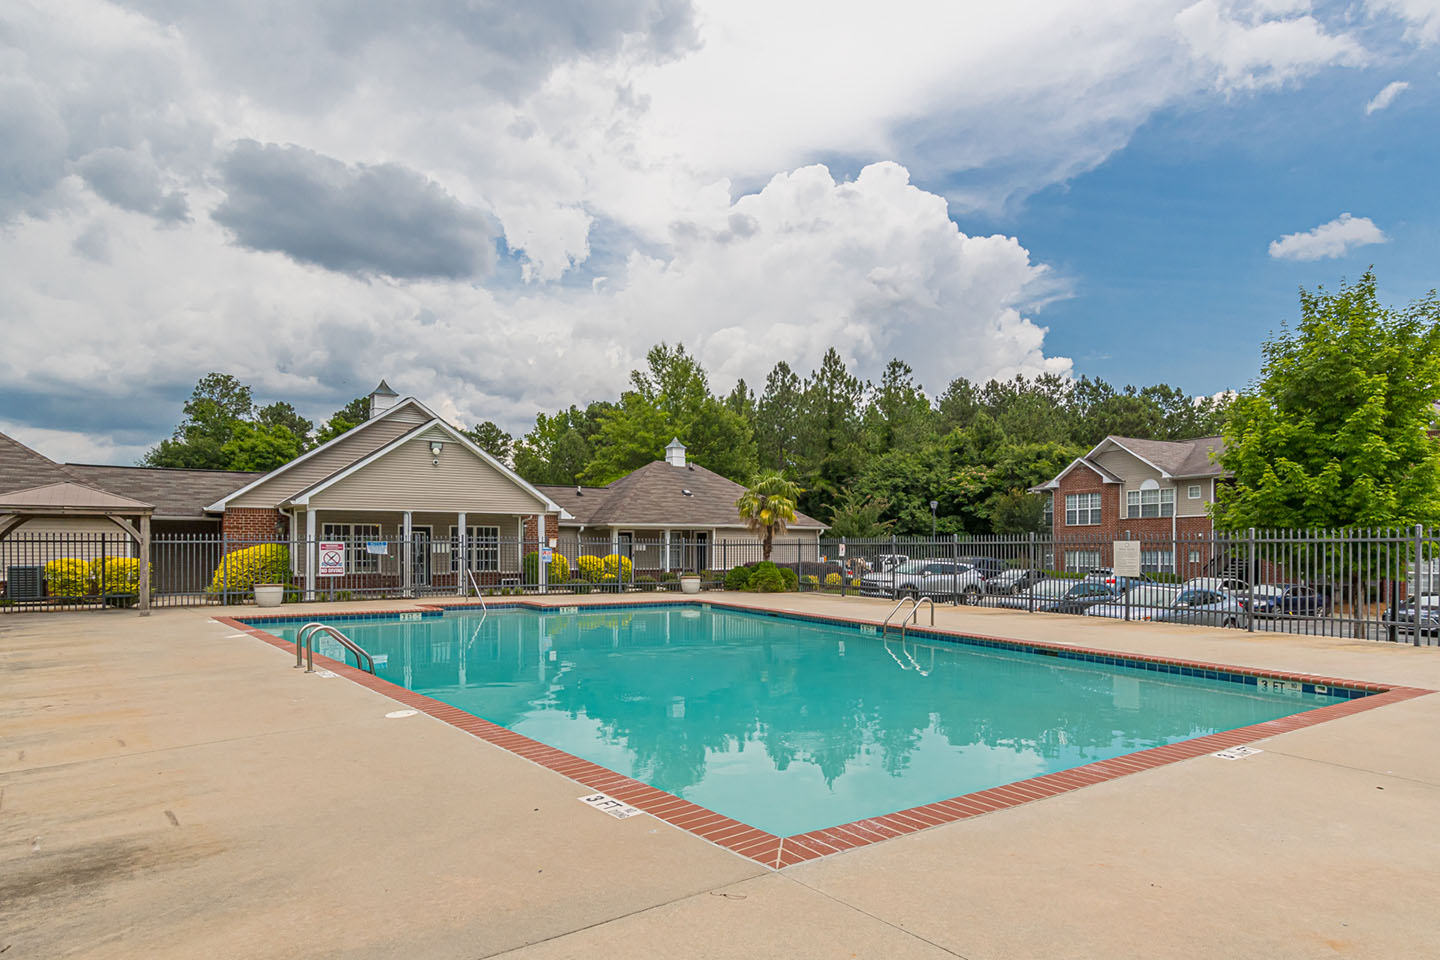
(332, 560)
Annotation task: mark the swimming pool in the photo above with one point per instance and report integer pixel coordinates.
(792, 725)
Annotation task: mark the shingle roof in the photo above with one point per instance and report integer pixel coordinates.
(68, 496)
(1179, 458)
(655, 494)
(22, 468)
(175, 493)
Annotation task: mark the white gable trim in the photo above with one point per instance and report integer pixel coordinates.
(219, 505)
(1115, 442)
(1104, 474)
(303, 497)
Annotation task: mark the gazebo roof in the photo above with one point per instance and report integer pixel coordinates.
(69, 498)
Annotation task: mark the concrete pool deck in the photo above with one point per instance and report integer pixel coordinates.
(169, 788)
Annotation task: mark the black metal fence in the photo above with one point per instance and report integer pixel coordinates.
(1376, 584)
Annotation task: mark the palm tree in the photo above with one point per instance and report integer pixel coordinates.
(768, 506)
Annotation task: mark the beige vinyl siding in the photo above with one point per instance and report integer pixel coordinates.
(43, 539)
(352, 446)
(392, 524)
(410, 414)
(1184, 506)
(405, 478)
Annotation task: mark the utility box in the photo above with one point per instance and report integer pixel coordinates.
(25, 582)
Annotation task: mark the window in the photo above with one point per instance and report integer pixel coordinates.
(1049, 511)
(1193, 492)
(1150, 503)
(354, 536)
(1194, 556)
(1081, 561)
(1082, 509)
(482, 544)
(1157, 561)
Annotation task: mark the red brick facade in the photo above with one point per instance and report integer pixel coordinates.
(1189, 536)
(552, 528)
(255, 524)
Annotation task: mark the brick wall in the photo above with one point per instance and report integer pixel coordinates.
(1114, 525)
(254, 523)
(552, 529)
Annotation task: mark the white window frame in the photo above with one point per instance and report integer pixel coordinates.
(354, 536)
(1049, 511)
(1081, 561)
(482, 543)
(1082, 510)
(1157, 561)
(1194, 491)
(1152, 502)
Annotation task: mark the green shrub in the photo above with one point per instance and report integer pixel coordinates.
(645, 583)
(556, 571)
(812, 581)
(791, 578)
(68, 577)
(266, 563)
(579, 586)
(589, 568)
(738, 578)
(627, 569)
(670, 576)
(608, 582)
(766, 578)
(833, 581)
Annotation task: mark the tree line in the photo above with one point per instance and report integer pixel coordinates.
(1335, 431)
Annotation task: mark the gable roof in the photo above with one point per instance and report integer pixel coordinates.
(22, 468)
(1054, 482)
(175, 493)
(1173, 458)
(69, 496)
(654, 496)
(303, 496)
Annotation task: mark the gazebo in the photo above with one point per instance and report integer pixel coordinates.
(67, 500)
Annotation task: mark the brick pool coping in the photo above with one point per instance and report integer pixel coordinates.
(777, 852)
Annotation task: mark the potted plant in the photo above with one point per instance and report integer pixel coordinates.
(689, 583)
(269, 594)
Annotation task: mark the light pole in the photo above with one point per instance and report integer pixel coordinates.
(934, 505)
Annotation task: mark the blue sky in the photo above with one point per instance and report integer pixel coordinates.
(1167, 242)
(501, 213)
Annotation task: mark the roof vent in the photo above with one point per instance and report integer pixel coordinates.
(675, 453)
(690, 467)
(687, 493)
(578, 491)
(382, 398)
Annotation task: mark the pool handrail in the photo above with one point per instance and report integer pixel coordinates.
(914, 615)
(305, 641)
(471, 574)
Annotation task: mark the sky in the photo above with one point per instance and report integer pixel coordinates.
(499, 207)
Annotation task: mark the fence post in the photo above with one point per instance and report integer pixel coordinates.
(893, 564)
(1034, 569)
(224, 569)
(1250, 580)
(955, 570)
(1419, 580)
(844, 573)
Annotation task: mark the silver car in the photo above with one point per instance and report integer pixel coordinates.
(1213, 608)
(925, 578)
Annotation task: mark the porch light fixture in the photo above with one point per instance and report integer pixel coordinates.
(435, 447)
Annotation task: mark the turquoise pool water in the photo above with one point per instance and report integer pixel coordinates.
(792, 726)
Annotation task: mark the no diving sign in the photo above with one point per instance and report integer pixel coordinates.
(332, 560)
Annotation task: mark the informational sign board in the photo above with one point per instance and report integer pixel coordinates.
(842, 549)
(546, 555)
(332, 560)
(380, 547)
(618, 809)
(1127, 558)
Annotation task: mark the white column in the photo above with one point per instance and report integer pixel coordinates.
(407, 554)
(462, 562)
(665, 566)
(520, 548)
(541, 544)
(312, 556)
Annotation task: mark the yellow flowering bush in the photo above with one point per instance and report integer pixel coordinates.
(69, 577)
(627, 569)
(266, 563)
(589, 568)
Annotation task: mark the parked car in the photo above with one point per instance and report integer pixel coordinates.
(1107, 575)
(1289, 600)
(988, 566)
(1223, 584)
(1211, 607)
(1013, 580)
(1057, 596)
(1400, 619)
(925, 578)
(1140, 602)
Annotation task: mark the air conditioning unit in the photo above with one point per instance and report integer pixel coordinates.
(25, 582)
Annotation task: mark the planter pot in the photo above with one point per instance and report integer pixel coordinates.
(269, 594)
(689, 584)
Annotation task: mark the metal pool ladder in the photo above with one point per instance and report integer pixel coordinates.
(305, 643)
(484, 610)
(912, 617)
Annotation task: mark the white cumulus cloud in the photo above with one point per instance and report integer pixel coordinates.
(1329, 240)
(1386, 96)
(1421, 17)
